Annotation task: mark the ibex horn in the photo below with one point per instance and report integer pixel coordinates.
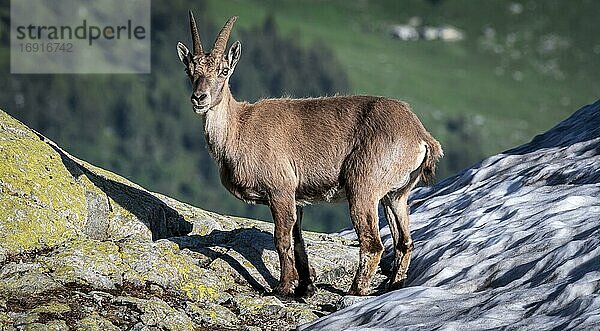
(223, 37)
(195, 35)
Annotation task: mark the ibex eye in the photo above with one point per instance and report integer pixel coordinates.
(224, 72)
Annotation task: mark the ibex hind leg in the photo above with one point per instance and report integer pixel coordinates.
(396, 212)
(396, 236)
(363, 212)
(395, 205)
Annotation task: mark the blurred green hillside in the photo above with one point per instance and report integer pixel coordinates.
(522, 67)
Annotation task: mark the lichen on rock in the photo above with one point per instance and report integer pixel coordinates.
(25, 279)
(211, 314)
(41, 203)
(163, 264)
(155, 312)
(92, 262)
(95, 322)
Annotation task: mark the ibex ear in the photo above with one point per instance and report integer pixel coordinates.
(235, 51)
(183, 52)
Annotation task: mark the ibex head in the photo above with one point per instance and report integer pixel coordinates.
(209, 72)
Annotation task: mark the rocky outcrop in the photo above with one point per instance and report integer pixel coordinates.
(511, 242)
(82, 248)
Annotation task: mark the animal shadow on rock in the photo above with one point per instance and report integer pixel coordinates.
(162, 220)
(250, 243)
(165, 222)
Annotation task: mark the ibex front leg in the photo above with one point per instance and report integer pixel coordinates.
(306, 274)
(283, 209)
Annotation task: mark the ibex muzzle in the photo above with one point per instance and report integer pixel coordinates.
(286, 153)
(201, 99)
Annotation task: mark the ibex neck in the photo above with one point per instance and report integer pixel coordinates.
(220, 125)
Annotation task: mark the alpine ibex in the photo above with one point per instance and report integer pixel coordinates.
(286, 153)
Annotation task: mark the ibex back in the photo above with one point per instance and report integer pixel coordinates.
(286, 153)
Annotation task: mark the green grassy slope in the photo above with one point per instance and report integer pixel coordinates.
(512, 77)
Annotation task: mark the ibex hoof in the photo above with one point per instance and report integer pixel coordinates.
(305, 290)
(358, 292)
(392, 286)
(284, 290)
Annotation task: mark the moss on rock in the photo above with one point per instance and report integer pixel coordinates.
(54, 325)
(87, 261)
(25, 279)
(42, 205)
(157, 313)
(162, 263)
(252, 305)
(52, 307)
(5, 321)
(95, 322)
(211, 314)
(48, 197)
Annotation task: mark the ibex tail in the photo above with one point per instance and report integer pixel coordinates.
(434, 153)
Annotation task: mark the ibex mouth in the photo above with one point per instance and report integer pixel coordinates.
(202, 109)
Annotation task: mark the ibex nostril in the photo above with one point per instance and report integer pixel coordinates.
(199, 97)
